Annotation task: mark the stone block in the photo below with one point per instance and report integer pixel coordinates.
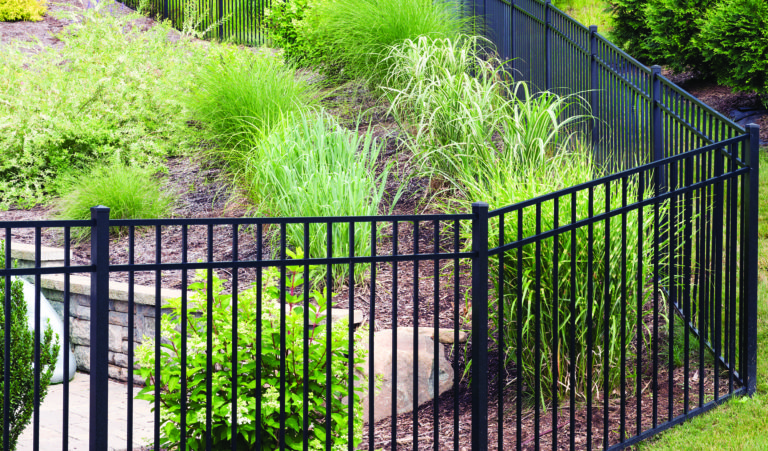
(116, 334)
(121, 306)
(83, 358)
(80, 331)
(80, 311)
(120, 360)
(118, 318)
(424, 371)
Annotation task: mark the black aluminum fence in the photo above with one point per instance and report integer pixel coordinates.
(599, 315)
(640, 115)
(238, 21)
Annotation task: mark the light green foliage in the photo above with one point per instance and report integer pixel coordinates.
(242, 96)
(22, 376)
(734, 41)
(463, 111)
(253, 344)
(315, 167)
(360, 32)
(110, 92)
(292, 26)
(129, 192)
(674, 29)
(12, 10)
(589, 12)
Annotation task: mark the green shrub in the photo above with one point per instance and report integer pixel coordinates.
(248, 352)
(674, 29)
(22, 357)
(315, 167)
(631, 30)
(12, 10)
(734, 40)
(129, 192)
(242, 97)
(360, 32)
(291, 26)
(111, 91)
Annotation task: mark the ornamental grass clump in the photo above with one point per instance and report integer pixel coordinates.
(22, 358)
(315, 167)
(241, 97)
(493, 140)
(130, 192)
(359, 33)
(257, 407)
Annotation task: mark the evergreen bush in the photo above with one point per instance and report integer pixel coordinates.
(734, 41)
(674, 33)
(22, 376)
(630, 29)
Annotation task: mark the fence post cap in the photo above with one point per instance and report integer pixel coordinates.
(99, 208)
(752, 126)
(593, 28)
(480, 205)
(656, 69)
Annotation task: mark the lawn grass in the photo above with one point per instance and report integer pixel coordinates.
(741, 423)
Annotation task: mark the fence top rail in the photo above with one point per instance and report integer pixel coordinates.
(232, 221)
(602, 39)
(690, 97)
(619, 175)
(568, 18)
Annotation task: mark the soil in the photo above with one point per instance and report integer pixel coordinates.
(204, 191)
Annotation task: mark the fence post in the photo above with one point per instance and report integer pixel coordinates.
(221, 20)
(548, 43)
(658, 132)
(479, 325)
(593, 85)
(512, 32)
(99, 388)
(752, 159)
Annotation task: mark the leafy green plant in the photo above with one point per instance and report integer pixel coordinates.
(109, 92)
(253, 346)
(291, 27)
(12, 10)
(734, 40)
(315, 167)
(360, 32)
(129, 192)
(22, 376)
(243, 96)
(674, 29)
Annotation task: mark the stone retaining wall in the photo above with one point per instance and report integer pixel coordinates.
(80, 309)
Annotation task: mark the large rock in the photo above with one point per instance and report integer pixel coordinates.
(47, 313)
(427, 370)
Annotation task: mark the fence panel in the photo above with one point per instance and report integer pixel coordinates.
(618, 310)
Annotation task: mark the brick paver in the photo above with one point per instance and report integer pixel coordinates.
(53, 407)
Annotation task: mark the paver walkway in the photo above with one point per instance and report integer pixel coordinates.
(79, 397)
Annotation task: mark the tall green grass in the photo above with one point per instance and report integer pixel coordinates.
(495, 141)
(314, 167)
(242, 97)
(360, 32)
(129, 192)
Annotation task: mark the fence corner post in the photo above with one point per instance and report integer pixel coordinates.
(99, 367)
(479, 325)
(752, 159)
(548, 42)
(656, 127)
(593, 86)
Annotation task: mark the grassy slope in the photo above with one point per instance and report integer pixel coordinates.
(743, 422)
